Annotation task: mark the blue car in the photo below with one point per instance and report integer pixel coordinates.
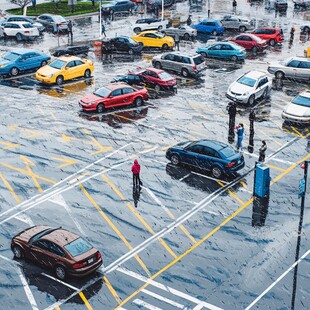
(18, 60)
(215, 156)
(223, 50)
(214, 27)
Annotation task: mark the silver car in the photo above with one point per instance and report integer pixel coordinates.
(293, 67)
(181, 63)
(237, 23)
(183, 31)
(26, 19)
(50, 20)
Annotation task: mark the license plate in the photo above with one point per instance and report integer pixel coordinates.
(90, 260)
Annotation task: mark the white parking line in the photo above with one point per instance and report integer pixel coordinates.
(276, 281)
(27, 290)
(59, 281)
(183, 178)
(164, 299)
(146, 305)
(207, 177)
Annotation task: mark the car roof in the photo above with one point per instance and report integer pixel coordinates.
(305, 93)
(266, 28)
(210, 20)
(68, 58)
(60, 236)
(21, 23)
(255, 74)
(299, 58)
(116, 85)
(155, 70)
(149, 31)
(186, 54)
(216, 145)
(22, 16)
(52, 15)
(23, 51)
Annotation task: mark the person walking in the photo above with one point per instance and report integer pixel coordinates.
(177, 41)
(189, 20)
(240, 133)
(262, 151)
(135, 169)
(234, 5)
(292, 33)
(232, 111)
(252, 119)
(70, 33)
(103, 30)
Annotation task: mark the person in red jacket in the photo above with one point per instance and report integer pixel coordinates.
(136, 174)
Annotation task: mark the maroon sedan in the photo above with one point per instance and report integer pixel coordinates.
(57, 248)
(250, 42)
(114, 95)
(156, 78)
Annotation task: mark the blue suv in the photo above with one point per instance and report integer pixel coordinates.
(214, 27)
(217, 157)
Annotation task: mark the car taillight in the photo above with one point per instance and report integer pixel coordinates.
(26, 32)
(79, 265)
(99, 255)
(231, 164)
(195, 67)
(58, 25)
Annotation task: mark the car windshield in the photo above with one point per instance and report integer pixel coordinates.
(245, 80)
(27, 25)
(165, 76)
(227, 152)
(11, 56)
(198, 60)
(160, 35)
(130, 40)
(301, 100)
(102, 92)
(57, 64)
(41, 234)
(77, 247)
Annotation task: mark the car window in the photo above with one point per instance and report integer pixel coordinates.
(79, 62)
(27, 25)
(198, 60)
(186, 60)
(216, 47)
(304, 65)
(293, 63)
(209, 152)
(270, 31)
(127, 90)
(169, 57)
(42, 244)
(226, 47)
(56, 249)
(258, 31)
(195, 149)
(210, 24)
(78, 247)
(57, 64)
(70, 64)
(262, 82)
(116, 92)
(302, 100)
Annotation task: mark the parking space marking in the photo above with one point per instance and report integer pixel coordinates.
(138, 216)
(9, 187)
(277, 280)
(88, 306)
(231, 193)
(208, 177)
(101, 149)
(153, 196)
(59, 281)
(27, 290)
(183, 178)
(66, 161)
(146, 305)
(112, 290)
(210, 234)
(9, 145)
(164, 299)
(121, 236)
(275, 167)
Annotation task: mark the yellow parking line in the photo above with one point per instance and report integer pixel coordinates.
(140, 218)
(88, 306)
(111, 289)
(199, 133)
(9, 187)
(244, 184)
(297, 132)
(57, 308)
(275, 167)
(231, 193)
(113, 227)
(207, 236)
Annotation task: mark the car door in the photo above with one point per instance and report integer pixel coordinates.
(119, 44)
(150, 77)
(303, 71)
(168, 61)
(291, 69)
(226, 51)
(80, 67)
(39, 252)
(207, 157)
(192, 155)
(215, 51)
(128, 95)
(115, 99)
(262, 84)
(70, 70)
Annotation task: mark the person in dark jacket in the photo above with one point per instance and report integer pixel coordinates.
(135, 169)
(240, 133)
(262, 151)
(252, 119)
(234, 5)
(189, 20)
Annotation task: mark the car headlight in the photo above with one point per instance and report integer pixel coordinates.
(90, 103)
(246, 94)
(50, 75)
(3, 66)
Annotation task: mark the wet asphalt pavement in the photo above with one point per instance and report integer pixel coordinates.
(190, 243)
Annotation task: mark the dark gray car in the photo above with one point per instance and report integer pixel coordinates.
(236, 23)
(110, 7)
(183, 31)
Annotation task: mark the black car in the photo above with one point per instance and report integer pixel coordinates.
(121, 45)
(110, 7)
(151, 5)
(130, 79)
(72, 50)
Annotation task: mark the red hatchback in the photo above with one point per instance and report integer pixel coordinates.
(271, 35)
(114, 95)
(250, 42)
(156, 78)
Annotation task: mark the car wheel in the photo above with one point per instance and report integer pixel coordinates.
(279, 75)
(138, 102)
(60, 272)
(306, 29)
(204, 54)
(14, 71)
(272, 42)
(165, 47)
(17, 251)
(234, 58)
(43, 63)
(184, 72)
(19, 36)
(175, 160)
(157, 65)
(254, 49)
(214, 33)
(242, 28)
(251, 100)
(216, 172)
(186, 36)
(137, 30)
(100, 108)
(297, 6)
(87, 73)
(130, 51)
(59, 80)
(157, 88)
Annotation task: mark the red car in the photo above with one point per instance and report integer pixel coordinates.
(114, 95)
(250, 42)
(156, 78)
(271, 35)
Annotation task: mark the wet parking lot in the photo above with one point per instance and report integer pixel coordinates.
(193, 241)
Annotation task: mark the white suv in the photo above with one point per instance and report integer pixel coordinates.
(20, 30)
(143, 24)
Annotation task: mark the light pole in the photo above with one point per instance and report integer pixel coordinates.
(100, 19)
(162, 9)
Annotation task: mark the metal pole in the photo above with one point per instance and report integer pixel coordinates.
(162, 9)
(302, 208)
(209, 9)
(100, 19)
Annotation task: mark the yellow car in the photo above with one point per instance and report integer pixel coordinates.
(154, 39)
(64, 68)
